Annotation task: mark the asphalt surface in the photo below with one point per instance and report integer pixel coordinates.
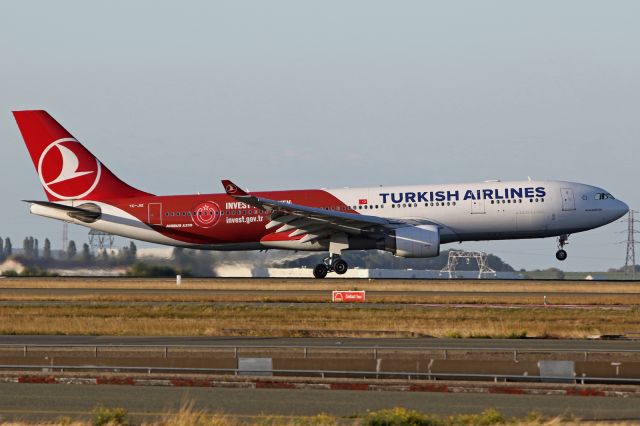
(66, 291)
(50, 401)
(511, 344)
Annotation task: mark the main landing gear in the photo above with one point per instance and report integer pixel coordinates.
(561, 254)
(333, 263)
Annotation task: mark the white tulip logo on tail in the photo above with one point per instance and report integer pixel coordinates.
(70, 171)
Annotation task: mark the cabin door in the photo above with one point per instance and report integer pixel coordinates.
(477, 207)
(155, 213)
(568, 202)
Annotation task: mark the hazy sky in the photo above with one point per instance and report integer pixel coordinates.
(172, 96)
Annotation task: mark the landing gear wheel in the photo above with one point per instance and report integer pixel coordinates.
(563, 240)
(320, 271)
(561, 255)
(340, 266)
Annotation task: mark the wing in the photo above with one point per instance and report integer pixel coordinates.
(313, 222)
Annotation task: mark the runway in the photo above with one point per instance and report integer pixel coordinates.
(427, 343)
(191, 292)
(50, 401)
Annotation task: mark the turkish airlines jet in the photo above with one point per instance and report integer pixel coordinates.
(408, 221)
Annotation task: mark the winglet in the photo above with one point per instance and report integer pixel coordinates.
(233, 189)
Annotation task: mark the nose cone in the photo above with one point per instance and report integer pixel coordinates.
(620, 209)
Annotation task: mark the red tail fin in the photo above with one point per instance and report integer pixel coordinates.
(67, 170)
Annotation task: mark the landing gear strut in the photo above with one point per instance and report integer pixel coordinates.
(333, 263)
(561, 254)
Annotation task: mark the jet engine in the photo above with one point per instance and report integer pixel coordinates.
(414, 241)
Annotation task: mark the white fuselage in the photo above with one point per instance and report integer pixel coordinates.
(503, 210)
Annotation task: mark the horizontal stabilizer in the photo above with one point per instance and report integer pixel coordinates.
(86, 212)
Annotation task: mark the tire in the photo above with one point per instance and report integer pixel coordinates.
(320, 271)
(340, 266)
(561, 255)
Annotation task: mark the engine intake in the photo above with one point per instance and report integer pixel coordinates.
(414, 241)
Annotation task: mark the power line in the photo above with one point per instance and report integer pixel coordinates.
(65, 236)
(630, 262)
(456, 255)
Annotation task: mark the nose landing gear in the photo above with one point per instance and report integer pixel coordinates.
(333, 263)
(561, 254)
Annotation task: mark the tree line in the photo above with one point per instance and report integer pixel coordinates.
(34, 253)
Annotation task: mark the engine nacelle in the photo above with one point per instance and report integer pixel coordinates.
(414, 241)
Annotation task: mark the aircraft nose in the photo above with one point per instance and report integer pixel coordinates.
(621, 208)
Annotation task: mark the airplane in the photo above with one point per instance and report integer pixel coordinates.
(408, 221)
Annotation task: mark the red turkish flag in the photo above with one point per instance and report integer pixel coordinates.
(363, 201)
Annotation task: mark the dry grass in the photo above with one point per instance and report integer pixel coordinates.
(471, 299)
(514, 291)
(101, 314)
(188, 416)
(301, 321)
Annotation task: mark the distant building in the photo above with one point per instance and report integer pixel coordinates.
(594, 277)
(160, 252)
(11, 265)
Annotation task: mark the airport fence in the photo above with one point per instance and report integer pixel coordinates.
(323, 374)
(374, 352)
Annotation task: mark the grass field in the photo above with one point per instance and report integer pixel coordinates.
(515, 291)
(166, 315)
(266, 320)
(187, 416)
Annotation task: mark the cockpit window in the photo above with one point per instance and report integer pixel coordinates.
(604, 196)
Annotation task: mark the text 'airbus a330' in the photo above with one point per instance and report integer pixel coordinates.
(408, 221)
